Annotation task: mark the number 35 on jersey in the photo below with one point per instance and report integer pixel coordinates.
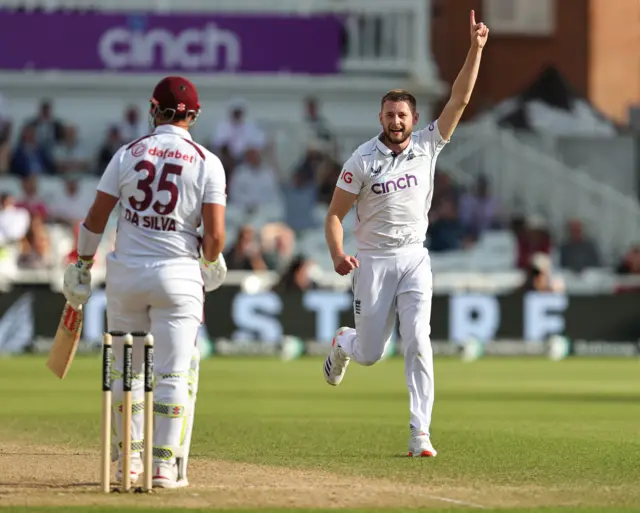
(138, 204)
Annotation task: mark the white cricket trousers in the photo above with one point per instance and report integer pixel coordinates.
(383, 285)
(165, 298)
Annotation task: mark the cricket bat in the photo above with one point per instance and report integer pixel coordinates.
(66, 341)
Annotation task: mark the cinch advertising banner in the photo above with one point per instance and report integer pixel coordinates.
(170, 43)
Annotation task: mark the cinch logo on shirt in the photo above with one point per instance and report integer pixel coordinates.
(393, 185)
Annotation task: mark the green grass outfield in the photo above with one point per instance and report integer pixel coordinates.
(511, 434)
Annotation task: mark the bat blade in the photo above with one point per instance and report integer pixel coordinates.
(66, 341)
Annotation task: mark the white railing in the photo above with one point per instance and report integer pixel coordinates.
(381, 36)
(528, 181)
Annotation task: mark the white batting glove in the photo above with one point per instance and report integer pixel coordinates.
(213, 273)
(77, 284)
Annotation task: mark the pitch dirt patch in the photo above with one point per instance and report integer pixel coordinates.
(34, 475)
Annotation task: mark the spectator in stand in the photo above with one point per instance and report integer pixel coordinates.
(253, 183)
(69, 155)
(629, 266)
(306, 173)
(317, 170)
(478, 210)
(297, 277)
(630, 263)
(302, 193)
(578, 252)
(48, 130)
(445, 231)
(28, 158)
(444, 190)
(540, 276)
(71, 207)
(109, 147)
(6, 125)
(246, 253)
(36, 248)
(237, 133)
(31, 200)
(227, 160)
(14, 221)
(328, 174)
(132, 127)
(316, 124)
(532, 237)
(278, 242)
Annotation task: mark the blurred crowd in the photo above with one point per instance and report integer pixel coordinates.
(458, 219)
(45, 146)
(48, 146)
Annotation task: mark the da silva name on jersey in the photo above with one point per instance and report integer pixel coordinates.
(158, 223)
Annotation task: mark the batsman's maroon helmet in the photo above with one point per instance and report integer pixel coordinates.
(175, 98)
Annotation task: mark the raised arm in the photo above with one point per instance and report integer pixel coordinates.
(465, 81)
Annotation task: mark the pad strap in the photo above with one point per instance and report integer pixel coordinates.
(163, 453)
(88, 242)
(173, 411)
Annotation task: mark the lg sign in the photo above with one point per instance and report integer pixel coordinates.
(196, 48)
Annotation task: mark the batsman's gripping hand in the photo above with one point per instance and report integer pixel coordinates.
(213, 273)
(77, 284)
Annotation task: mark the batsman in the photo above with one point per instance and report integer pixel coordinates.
(166, 187)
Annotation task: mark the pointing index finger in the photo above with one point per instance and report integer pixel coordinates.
(473, 18)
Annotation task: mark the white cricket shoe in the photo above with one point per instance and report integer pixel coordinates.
(420, 447)
(137, 468)
(336, 363)
(165, 475)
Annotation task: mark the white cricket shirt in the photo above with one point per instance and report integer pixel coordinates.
(394, 192)
(162, 181)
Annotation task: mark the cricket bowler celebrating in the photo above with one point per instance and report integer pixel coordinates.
(390, 179)
(166, 186)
